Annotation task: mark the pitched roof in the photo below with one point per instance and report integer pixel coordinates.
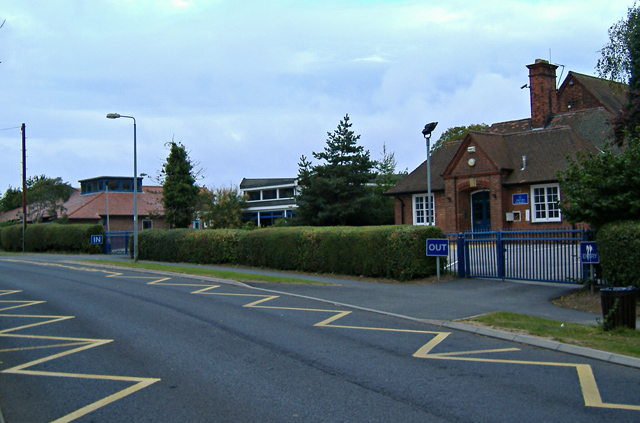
(612, 95)
(94, 206)
(416, 181)
(546, 152)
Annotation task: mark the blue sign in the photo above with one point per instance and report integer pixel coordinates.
(589, 252)
(437, 247)
(96, 239)
(521, 198)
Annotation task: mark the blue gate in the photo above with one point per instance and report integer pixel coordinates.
(116, 242)
(540, 255)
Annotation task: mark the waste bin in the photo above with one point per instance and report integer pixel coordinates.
(618, 307)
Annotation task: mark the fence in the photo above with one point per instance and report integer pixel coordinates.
(541, 255)
(117, 242)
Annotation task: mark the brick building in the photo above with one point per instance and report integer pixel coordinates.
(108, 201)
(506, 177)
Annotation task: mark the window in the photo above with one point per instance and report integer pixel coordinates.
(253, 195)
(422, 212)
(286, 193)
(546, 199)
(147, 224)
(269, 194)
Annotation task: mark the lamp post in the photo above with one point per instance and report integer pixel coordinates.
(135, 184)
(428, 129)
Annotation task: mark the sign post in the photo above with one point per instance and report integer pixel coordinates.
(437, 248)
(589, 255)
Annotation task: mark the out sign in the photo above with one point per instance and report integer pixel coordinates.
(437, 247)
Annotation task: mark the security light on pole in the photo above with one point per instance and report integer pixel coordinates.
(428, 129)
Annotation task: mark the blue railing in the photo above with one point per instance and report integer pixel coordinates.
(538, 255)
(116, 242)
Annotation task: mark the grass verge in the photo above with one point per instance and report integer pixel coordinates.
(619, 341)
(203, 271)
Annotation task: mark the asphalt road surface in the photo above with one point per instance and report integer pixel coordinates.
(87, 345)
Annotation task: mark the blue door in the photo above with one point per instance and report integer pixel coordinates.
(480, 212)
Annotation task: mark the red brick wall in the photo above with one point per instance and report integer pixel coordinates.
(574, 97)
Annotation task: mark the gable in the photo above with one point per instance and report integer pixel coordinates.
(471, 158)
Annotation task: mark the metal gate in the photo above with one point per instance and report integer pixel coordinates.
(116, 242)
(540, 255)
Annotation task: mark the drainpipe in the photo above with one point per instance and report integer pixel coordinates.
(401, 209)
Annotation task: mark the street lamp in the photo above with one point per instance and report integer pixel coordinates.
(428, 129)
(135, 184)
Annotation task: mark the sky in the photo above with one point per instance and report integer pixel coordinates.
(250, 86)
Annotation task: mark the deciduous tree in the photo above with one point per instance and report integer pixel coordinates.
(601, 188)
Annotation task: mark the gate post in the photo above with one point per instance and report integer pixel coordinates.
(500, 255)
(461, 256)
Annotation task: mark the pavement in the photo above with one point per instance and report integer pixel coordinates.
(443, 303)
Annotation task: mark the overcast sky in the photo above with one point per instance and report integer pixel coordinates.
(251, 86)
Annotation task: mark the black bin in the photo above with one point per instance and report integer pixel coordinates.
(618, 307)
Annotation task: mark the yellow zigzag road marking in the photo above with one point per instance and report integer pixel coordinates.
(81, 344)
(588, 384)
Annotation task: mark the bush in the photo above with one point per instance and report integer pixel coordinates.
(11, 238)
(396, 252)
(190, 245)
(619, 250)
(51, 237)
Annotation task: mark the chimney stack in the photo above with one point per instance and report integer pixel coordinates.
(542, 83)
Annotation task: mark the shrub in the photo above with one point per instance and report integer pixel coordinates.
(619, 250)
(51, 237)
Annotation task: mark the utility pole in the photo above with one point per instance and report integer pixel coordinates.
(24, 182)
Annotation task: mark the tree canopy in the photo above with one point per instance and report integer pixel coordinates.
(179, 189)
(601, 188)
(222, 208)
(457, 133)
(45, 197)
(334, 192)
(620, 61)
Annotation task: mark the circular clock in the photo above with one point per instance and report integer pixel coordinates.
(472, 162)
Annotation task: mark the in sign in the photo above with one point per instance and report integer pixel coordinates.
(437, 247)
(96, 239)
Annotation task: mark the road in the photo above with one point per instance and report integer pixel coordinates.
(92, 345)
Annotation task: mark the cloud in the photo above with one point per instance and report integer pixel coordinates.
(251, 86)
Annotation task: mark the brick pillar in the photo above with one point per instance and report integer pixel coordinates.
(542, 83)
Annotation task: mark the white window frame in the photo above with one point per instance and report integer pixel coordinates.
(418, 210)
(540, 210)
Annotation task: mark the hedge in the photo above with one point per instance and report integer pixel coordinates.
(44, 237)
(619, 251)
(395, 252)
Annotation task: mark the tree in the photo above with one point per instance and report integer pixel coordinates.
(45, 197)
(335, 192)
(620, 62)
(602, 188)
(223, 208)
(457, 133)
(179, 189)
(381, 210)
(12, 199)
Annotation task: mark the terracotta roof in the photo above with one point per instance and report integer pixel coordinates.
(416, 181)
(94, 206)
